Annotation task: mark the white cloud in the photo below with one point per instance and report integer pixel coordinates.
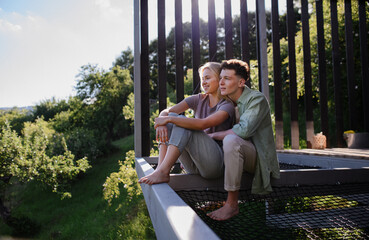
(41, 59)
(7, 26)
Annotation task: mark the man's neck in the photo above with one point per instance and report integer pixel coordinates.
(235, 96)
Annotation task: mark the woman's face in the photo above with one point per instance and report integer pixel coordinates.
(209, 82)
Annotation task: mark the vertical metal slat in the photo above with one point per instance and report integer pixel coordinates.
(322, 70)
(145, 78)
(336, 74)
(228, 29)
(350, 66)
(277, 76)
(262, 48)
(364, 62)
(245, 51)
(195, 46)
(307, 74)
(162, 65)
(179, 50)
(291, 26)
(212, 26)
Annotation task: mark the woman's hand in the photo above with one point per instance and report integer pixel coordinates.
(162, 134)
(161, 121)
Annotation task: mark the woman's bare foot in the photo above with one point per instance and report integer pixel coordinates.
(225, 212)
(155, 178)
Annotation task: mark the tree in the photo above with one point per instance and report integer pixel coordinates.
(104, 93)
(30, 158)
(49, 108)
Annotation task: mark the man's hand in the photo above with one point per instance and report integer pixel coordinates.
(220, 135)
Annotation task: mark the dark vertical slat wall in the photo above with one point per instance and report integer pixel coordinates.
(350, 65)
(195, 46)
(212, 26)
(322, 70)
(307, 73)
(364, 62)
(277, 77)
(291, 26)
(228, 29)
(162, 64)
(179, 50)
(336, 74)
(145, 75)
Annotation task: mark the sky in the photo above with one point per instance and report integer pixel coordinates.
(44, 43)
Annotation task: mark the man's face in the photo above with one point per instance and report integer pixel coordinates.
(230, 84)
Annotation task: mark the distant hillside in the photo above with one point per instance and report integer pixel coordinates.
(29, 108)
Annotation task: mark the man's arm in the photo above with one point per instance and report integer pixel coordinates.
(220, 135)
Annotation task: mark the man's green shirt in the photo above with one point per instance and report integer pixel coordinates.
(256, 125)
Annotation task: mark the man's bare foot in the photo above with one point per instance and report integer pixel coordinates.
(225, 212)
(155, 178)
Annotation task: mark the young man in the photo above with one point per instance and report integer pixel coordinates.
(249, 145)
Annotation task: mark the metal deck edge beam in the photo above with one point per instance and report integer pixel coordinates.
(171, 217)
(300, 177)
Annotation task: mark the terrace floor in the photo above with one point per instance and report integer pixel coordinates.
(322, 194)
(332, 152)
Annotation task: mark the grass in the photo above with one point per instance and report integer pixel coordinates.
(86, 215)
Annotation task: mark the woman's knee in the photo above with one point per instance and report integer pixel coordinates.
(172, 114)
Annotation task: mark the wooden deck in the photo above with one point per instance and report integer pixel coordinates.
(331, 152)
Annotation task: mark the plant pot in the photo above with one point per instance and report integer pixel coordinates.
(357, 140)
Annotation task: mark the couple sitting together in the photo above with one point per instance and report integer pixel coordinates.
(211, 144)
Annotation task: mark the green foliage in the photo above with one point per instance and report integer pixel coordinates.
(86, 215)
(314, 203)
(126, 175)
(16, 118)
(28, 158)
(128, 109)
(49, 108)
(104, 93)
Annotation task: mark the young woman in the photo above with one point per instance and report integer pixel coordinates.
(187, 139)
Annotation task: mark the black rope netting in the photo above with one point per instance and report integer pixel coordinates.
(301, 212)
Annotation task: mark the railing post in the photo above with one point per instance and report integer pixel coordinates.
(137, 80)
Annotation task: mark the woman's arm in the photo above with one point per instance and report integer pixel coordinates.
(194, 123)
(178, 108)
(162, 131)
